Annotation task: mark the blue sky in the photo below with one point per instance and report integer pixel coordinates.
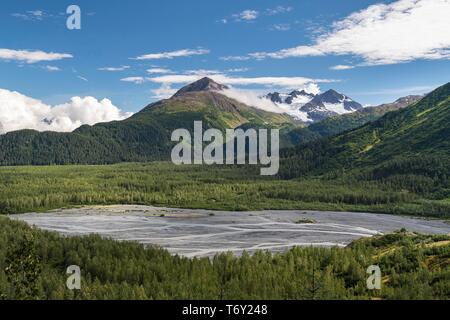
(222, 37)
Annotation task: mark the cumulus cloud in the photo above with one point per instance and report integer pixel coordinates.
(18, 112)
(113, 69)
(311, 87)
(397, 32)
(173, 54)
(31, 56)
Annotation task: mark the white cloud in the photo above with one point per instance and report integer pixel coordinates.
(34, 15)
(235, 58)
(18, 112)
(311, 87)
(158, 70)
(173, 54)
(247, 15)
(278, 10)
(342, 67)
(400, 91)
(137, 80)
(32, 56)
(163, 92)
(250, 15)
(281, 27)
(202, 72)
(252, 98)
(285, 82)
(299, 51)
(113, 69)
(238, 70)
(401, 31)
(82, 78)
(52, 68)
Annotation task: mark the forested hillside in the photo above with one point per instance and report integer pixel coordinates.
(33, 266)
(407, 141)
(337, 124)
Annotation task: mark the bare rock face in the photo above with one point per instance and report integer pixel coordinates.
(204, 84)
(406, 101)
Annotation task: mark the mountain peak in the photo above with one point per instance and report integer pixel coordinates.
(275, 97)
(332, 95)
(204, 84)
(290, 97)
(408, 99)
(310, 107)
(300, 92)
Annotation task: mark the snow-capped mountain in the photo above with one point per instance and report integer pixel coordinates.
(309, 107)
(295, 97)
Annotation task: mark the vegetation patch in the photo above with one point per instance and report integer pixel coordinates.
(33, 265)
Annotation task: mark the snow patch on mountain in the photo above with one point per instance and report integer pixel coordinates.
(310, 107)
(294, 112)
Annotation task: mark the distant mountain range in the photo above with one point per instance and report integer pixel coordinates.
(146, 135)
(310, 107)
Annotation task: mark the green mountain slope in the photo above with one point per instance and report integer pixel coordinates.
(414, 139)
(337, 124)
(143, 137)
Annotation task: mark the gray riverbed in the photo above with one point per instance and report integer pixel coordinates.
(192, 232)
